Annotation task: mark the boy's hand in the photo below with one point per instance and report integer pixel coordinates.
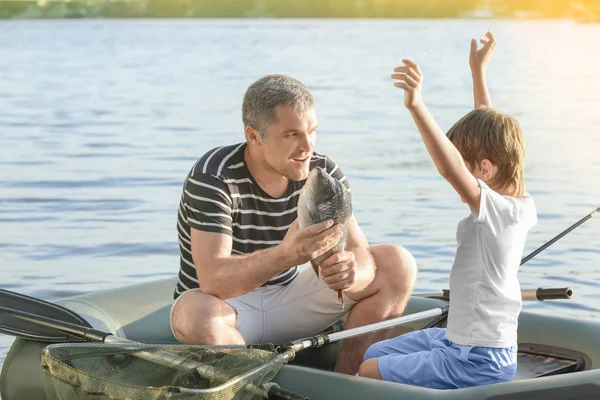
(480, 59)
(410, 78)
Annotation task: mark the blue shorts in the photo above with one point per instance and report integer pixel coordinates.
(426, 358)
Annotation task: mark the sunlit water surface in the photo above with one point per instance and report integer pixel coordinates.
(100, 122)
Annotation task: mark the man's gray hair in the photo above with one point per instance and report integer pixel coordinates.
(261, 98)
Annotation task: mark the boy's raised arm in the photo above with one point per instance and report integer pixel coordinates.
(446, 157)
(478, 61)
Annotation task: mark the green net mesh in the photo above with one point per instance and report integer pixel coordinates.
(141, 371)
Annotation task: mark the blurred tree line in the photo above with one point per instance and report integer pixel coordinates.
(288, 8)
(310, 8)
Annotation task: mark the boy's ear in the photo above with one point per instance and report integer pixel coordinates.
(488, 170)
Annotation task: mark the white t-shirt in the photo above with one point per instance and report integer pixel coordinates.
(485, 295)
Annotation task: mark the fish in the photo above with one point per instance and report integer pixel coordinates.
(322, 198)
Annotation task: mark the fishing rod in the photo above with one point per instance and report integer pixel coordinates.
(559, 236)
(66, 326)
(530, 294)
(539, 294)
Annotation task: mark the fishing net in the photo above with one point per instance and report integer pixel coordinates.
(146, 372)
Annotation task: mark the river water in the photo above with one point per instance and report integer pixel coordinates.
(100, 121)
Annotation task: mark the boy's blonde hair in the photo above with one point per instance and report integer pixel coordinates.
(489, 133)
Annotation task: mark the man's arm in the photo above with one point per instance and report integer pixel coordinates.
(225, 276)
(208, 210)
(478, 61)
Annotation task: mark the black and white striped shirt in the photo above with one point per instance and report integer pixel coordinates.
(220, 195)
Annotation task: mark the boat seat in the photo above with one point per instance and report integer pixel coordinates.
(535, 361)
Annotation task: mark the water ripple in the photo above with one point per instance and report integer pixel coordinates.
(105, 182)
(40, 204)
(113, 249)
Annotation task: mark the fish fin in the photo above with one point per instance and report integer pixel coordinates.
(341, 298)
(315, 268)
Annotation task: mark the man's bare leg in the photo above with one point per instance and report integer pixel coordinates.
(384, 298)
(200, 318)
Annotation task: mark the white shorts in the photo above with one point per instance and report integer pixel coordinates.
(282, 313)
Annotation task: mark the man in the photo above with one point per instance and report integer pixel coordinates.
(243, 276)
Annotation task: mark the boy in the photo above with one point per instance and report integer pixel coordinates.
(482, 157)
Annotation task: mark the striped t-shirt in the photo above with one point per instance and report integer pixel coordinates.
(220, 195)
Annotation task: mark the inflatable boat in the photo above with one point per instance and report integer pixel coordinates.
(558, 356)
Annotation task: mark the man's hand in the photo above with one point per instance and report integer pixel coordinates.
(301, 245)
(339, 270)
(410, 78)
(480, 59)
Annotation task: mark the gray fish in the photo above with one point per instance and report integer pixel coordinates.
(322, 198)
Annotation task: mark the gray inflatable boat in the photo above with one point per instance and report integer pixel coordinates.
(558, 356)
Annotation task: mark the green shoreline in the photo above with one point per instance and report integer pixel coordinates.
(519, 9)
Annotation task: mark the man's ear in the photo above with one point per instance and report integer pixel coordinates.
(488, 170)
(253, 136)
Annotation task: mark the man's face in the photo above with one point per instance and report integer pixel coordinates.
(289, 142)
